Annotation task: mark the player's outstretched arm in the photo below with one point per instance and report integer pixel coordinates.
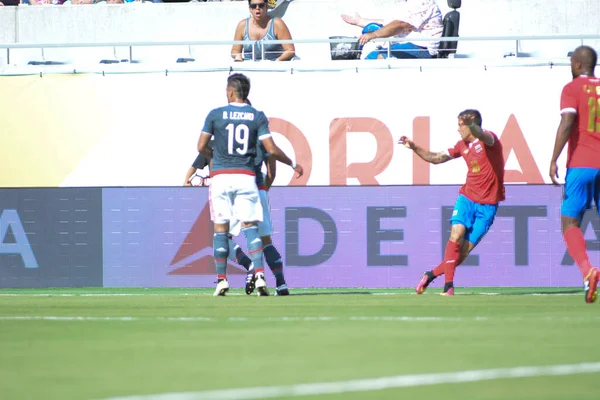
(429, 156)
(567, 120)
(278, 154)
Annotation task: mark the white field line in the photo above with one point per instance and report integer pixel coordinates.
(392, 318)
(96, 294)
(364, 385)
(242, 319)
(300, 292)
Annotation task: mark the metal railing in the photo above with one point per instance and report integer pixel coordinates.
(517, 39)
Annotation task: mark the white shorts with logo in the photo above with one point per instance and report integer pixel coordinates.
(234, 197)
(265, 227)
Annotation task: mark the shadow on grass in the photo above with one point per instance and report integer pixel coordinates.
(328, 293)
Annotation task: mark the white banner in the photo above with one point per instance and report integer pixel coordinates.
(142, 129)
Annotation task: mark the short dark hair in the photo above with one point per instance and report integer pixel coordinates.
(240, 83)
(475, 113)
(587, 56)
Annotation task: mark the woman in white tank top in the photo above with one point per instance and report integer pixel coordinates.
(260, 26)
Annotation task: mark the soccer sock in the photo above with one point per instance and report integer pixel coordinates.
(274, 260)
(254, 248)
(237, 255)
(450, 260)
(440, 269)
(220, 252)
(576, 247)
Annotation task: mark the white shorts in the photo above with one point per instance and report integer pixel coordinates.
(265, 227)
(234, 197)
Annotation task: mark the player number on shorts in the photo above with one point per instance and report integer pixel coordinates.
(238, 138)
(593, 124)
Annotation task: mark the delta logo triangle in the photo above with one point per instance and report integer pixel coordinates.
(195, 254)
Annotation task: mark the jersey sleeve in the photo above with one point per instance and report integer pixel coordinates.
(262, 126)
(454, 152)
(568, 100)
(209, 123)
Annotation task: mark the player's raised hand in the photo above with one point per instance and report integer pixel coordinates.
(299, 170)
(554, 173)
(406, 142)
(467, 119)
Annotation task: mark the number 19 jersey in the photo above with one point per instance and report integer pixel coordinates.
(236, 128)
(581, 96)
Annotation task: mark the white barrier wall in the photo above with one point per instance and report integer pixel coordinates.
(306, 19)
(142, 129)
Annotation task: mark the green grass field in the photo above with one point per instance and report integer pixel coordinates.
(103, 343)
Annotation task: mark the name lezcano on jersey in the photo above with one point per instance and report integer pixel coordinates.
(238, 115)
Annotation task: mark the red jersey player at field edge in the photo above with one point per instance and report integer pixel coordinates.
(478, 198)
(580, 127)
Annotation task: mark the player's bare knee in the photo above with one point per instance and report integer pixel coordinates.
(568, 223)
(266, 240)
(221, 228)
(249, 224)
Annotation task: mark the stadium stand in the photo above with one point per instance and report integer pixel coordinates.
(200, 32)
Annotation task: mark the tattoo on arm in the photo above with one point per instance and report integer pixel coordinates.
(431, 157)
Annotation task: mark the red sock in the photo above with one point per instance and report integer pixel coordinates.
(576, 247)
(440, 269)
(221, 276)
(451, 260)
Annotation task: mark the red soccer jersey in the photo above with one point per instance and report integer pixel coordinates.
(485, 179)
(582, 97)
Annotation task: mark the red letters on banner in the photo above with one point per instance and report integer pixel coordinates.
(512, 138)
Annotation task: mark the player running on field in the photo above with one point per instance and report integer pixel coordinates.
(478, 198)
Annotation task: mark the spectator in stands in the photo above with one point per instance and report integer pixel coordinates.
(9, 3)
(407, 19)
(260, 26)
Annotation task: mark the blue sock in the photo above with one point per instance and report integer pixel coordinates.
(220, 252)
(237, 255)
(254, 247)
(274, 260)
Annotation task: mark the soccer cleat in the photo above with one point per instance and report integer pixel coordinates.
(448, 289)
(250, 282)
(426, 279)
(222, 288)
(282, 290)
(590, 285)
(261, 285)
